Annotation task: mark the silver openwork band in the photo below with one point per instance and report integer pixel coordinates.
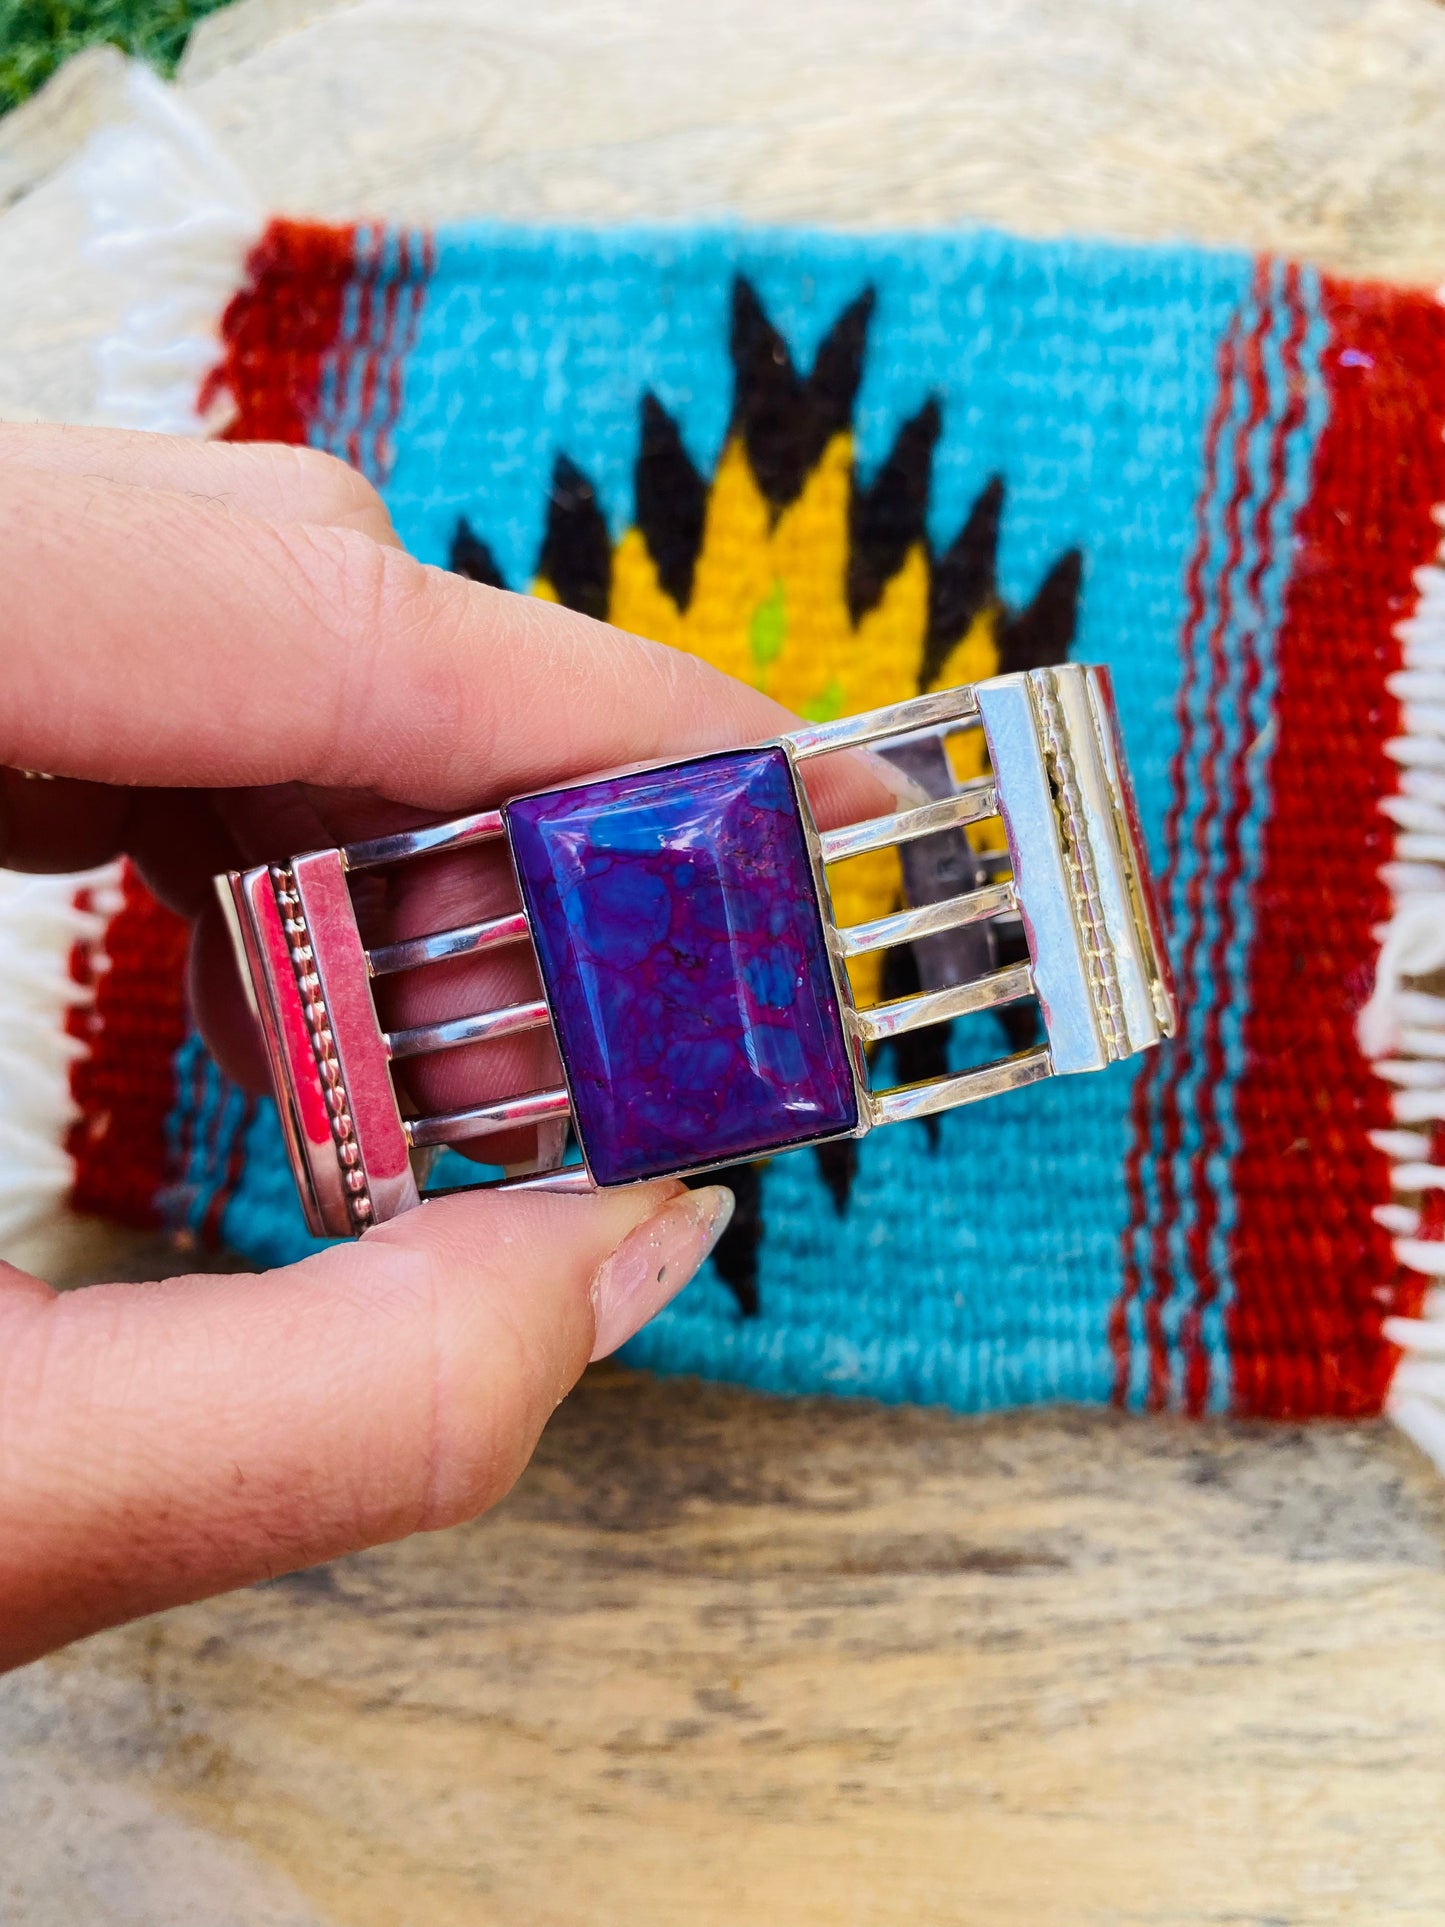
(1065, 864)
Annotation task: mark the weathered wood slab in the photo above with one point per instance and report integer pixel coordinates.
(727, 1660)
(1310, 126)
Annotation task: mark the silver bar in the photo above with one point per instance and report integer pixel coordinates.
(566, 1178)
(905, 926)
(465, 941)
(964, 1087)
(466, 1030)
(1132, 984)
(1031, 817)
(456, 1127)
(456, 835)
(851, 732)
(937, 1006)
(972, 803)
(346, 1034)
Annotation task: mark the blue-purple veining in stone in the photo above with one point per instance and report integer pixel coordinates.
(676, 920)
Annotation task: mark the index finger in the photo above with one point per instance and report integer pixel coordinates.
(278, 481)
(158, 638)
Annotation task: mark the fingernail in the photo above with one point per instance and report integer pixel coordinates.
(654, 1262)
(897, 782)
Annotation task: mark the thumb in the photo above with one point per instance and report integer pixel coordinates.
(161, 1442)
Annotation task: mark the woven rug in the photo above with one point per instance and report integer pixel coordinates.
(848, 469)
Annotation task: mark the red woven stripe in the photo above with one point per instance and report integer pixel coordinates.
(1241, 792)
(1151, 1071)
(125, 1086)
(1313, 1274)
(416, 274)
(1214, 775)
(278, 331)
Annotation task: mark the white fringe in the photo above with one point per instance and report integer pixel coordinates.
(174, 220)
(1402, 1027)
(39, 926)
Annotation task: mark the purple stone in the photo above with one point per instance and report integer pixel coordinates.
(676, 920)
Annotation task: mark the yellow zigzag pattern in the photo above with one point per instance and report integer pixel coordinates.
(769, 606)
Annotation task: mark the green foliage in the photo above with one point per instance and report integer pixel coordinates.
(37, 36)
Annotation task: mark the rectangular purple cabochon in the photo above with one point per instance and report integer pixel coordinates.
(676, 921)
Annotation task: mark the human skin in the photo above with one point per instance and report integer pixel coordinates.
(215, 655)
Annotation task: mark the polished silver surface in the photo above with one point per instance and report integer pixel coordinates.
(843, 988)
(504, 1114)
(1004, 986)
(929, 920)
(956, 706)
(348, 1044)
(570, 1179)
(263, 947)
(1077, 711)
(1078, 864)
(972, 804)
(483, 827)
(1038, 846)
(468, 940)
(964, 1087)
(456, 1031)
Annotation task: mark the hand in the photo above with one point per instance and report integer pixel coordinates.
(221, 656)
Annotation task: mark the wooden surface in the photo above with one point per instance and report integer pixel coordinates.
(1311, 126)
(720, 1660)
(727, 1661)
